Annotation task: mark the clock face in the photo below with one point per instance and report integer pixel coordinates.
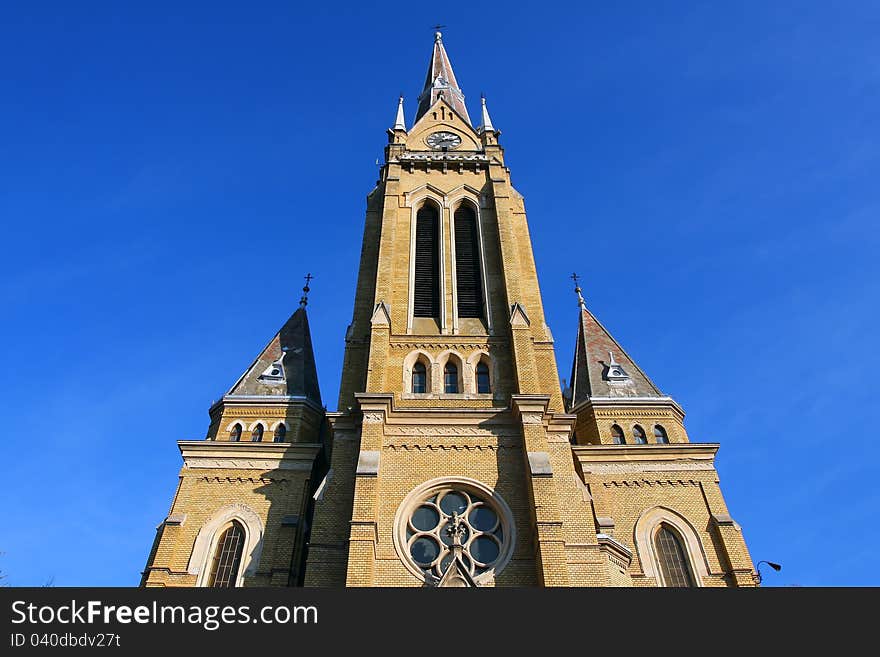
(438, 140)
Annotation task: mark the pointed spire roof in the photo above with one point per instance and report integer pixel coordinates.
(486, 121)
(399, 122)
(286, 367)
(441, 83)
(601, 367)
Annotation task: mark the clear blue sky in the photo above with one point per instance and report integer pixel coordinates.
(169, 172)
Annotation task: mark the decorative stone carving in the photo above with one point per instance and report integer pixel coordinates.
(532, 418)
(638, 483)
(648, 466)
(248, 464)
(448, 430)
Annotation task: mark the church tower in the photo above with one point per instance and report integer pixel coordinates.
(454, 458)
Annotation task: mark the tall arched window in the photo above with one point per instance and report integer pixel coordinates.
(257, 434)
(639, 435)
(280, 433)
(450, 377)
(483, 382)
(617, 435)
(419, 377)
(227, 557)
(467, 263)
(672, 558)
(235, 434)
(660, 435)
(426, 292)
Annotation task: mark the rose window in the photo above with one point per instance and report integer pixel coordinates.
(433, 520)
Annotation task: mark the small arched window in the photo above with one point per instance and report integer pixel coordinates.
(257, 434)
(227, 557)
(235, 434)
(660, 436)
(639, 435)
(280, 433)
(672, 558)
(419, 377)
(450, 378)
(617, 435)
(483, 382)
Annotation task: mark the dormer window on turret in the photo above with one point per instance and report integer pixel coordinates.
(614, 371)
(275, 372)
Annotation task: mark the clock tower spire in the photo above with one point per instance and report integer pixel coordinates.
(440, 82)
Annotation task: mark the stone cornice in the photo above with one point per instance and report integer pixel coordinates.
(380, 407)
(247, 455)
(264, 400)
(603, 459)
(629, 402)
(371, 403)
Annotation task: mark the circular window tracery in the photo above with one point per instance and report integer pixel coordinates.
(440, 514)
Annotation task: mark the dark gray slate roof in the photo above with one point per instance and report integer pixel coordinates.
(286, 366)
(592, 374)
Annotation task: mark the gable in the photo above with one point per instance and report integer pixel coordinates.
(441, 116)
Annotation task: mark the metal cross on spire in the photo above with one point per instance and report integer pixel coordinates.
(305, 297)
(577, 290)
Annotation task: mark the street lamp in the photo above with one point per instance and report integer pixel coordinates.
(774, 566)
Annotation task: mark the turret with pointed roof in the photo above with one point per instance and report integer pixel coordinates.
(285, 367)
(603, 375)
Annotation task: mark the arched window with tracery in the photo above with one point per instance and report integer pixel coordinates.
(227, 557)
(468, 283)
(617, 435)
(426, 292)
(672, 558)
(484, 384)
(235, 433)
(257, 433)
(280, 433)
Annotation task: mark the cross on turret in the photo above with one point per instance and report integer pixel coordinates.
(304, 299)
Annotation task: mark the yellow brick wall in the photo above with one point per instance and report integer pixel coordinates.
(202, 492)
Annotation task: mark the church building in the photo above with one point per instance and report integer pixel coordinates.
(455, 457)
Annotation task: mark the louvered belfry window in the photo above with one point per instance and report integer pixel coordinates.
(467, 264)
(426, 302)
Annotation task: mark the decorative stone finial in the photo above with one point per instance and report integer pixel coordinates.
(399, 122)
(486, 121)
